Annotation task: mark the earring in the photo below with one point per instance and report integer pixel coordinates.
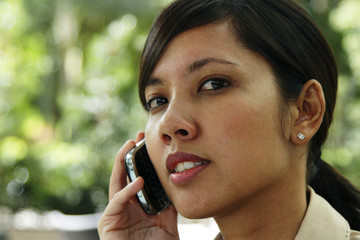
(301, 136)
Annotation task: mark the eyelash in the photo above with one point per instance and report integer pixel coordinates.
(152, 100)
(221, 83)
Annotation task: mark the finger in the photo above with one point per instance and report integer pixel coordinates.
(120, 200)
(140, 136)
(169, 220)
(117, 205)
(118, 175)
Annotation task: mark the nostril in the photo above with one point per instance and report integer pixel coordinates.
(166, 137)
(182, 132)
(179, 133)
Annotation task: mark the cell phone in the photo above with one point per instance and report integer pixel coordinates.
(152, 198)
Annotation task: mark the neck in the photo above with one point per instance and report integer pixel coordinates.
(276, 214)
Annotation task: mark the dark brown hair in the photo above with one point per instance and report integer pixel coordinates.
(286, 36)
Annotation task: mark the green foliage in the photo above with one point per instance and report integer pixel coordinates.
(343, 146)
(68, 97)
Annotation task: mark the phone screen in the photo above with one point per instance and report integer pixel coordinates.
(152, 197)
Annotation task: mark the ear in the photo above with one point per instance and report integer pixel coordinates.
(311, 108)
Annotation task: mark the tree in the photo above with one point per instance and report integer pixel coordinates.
(68, 97)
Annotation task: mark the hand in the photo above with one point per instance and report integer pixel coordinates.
(123, 218)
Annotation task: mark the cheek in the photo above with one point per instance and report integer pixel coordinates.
(242, 121)
(150, 131)
(251, 131)
(154, 145)
(152, 140)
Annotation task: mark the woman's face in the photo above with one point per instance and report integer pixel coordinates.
(216, 131)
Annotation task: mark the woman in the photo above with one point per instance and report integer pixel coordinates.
(240, 95)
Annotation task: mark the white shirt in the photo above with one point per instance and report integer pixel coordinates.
(322, 222)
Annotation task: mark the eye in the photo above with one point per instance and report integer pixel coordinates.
(155, 103)
(214, 84)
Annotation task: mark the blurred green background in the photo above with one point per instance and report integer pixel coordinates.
(68, 96)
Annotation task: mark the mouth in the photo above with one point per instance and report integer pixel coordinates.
(184, 166)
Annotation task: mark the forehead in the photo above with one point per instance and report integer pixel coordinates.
(208, 41)
(212, 43)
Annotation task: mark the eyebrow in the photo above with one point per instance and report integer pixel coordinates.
(195, 66)
(153, 82)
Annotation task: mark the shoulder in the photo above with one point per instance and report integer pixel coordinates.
(219, 237)
(329, 223)
(354, 235)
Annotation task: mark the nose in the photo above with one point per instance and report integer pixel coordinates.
(178, 123)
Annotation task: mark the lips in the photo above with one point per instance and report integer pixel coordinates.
(184, 166)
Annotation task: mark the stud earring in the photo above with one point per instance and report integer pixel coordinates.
(301, 136)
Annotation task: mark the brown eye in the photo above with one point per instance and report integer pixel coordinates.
(155, 103)
(214, 84)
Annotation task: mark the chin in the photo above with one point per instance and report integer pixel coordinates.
(195, 210)
(194, 215)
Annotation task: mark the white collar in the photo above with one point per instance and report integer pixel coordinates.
(322, 221)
